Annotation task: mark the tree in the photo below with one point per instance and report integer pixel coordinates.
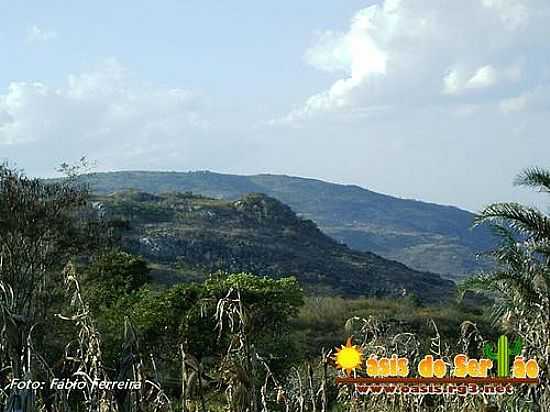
(42, 226)
(521, 281)
(111, 275)
(214, 324)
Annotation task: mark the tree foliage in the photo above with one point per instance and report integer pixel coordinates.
(520, 283)
(42, 226)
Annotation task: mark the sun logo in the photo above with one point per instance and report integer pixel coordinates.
(349, 357)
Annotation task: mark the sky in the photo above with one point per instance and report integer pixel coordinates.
(427, 99)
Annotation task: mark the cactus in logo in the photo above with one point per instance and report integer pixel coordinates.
(503, 354)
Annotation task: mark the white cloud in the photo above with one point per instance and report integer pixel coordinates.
(355, 52)
(512, 13)
(36, 34)
(403, 53)
(460, 81)
(534, 100)
(102, 113)
(485, 76)
(513, 104)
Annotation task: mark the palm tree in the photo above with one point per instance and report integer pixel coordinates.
(520, 282)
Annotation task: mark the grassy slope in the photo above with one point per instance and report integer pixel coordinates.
(320, 323)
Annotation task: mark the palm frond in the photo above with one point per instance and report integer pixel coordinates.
(506, 283)
(503, 232)
(534, 177)
(542, 247)
(513, 255)
(478, 283)
(523, 219)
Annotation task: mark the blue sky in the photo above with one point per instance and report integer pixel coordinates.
(440, 101)
(200, 44)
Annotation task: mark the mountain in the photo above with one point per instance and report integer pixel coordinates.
(424, 236)
(187, 236)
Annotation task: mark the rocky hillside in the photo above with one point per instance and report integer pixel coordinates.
(424, 236)
(186, 236)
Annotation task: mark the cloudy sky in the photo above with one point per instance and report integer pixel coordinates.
(437, 100)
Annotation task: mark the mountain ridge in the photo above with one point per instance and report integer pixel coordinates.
(423, 235)
(187, 236)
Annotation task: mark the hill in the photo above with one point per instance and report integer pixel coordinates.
(187, 236)
(424, 236)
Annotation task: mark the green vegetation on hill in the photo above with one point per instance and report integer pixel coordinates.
(424, 236)
(321, 322)
(185, 235)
